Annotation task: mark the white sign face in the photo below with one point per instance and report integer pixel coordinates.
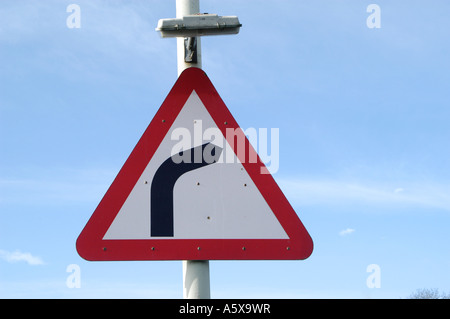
(218, 200)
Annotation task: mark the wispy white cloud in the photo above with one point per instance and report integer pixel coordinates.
(59, 186)
(115, 37)
(18, 256)
(346, 232)
(339, 192)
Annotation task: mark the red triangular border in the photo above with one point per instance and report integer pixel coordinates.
(91, 246)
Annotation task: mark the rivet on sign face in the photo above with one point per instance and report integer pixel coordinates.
(153, 248)
(198, 248)
(225, 122)
(164, 121)
(104, 248)
(288, 248)
(243, 248)
(145, 182)
(198, 183)
(245, 185)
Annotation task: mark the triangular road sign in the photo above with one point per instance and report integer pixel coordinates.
(193, 188)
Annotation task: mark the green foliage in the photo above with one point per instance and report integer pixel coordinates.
(431, 293)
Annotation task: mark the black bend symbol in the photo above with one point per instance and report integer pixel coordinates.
(161, 192)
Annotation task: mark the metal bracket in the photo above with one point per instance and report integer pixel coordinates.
(190, 50)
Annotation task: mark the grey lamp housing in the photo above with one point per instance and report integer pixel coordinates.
(198, 25)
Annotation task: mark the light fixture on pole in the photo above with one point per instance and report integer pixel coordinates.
(192, 26)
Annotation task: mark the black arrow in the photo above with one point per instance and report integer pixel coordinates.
(161, 192)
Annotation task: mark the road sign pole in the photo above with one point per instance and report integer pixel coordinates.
(196, 284)
(187, 7)
(196, 279)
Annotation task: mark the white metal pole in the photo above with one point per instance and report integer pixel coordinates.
(187, 7)
(196, 284)
(196, 279)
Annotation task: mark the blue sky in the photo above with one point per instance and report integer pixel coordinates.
(364, 139)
